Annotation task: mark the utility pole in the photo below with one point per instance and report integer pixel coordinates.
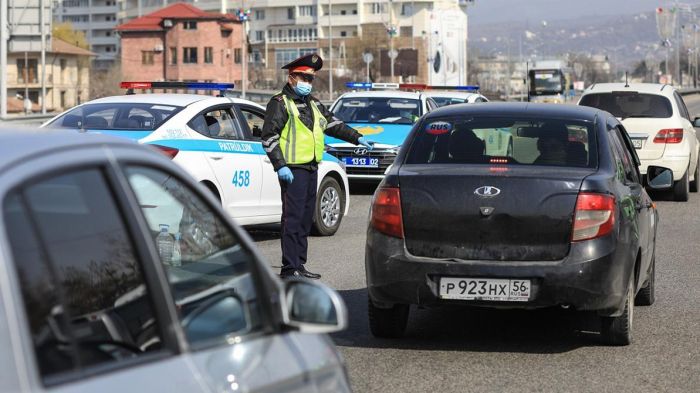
(330, 52)
(43, 56)
(3, 57)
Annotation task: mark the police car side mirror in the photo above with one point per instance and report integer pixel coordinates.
(696, 122)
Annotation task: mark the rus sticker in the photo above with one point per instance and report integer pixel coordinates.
(438, 128)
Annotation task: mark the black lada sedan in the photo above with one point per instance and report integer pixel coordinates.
(516, 206)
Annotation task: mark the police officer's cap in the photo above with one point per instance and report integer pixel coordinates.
(307, 64)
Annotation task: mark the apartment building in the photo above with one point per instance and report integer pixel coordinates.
(182, 43)
(67, 77)
(430, 36)
(97, 19)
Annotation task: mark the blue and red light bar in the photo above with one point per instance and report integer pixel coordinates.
(407, 86)
(177, 85)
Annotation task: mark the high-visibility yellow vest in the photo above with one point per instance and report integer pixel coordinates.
(299, 144)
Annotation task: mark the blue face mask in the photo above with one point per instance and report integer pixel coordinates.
(302, 88)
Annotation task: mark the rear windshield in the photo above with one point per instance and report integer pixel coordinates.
(444, 101)
(630, 104)
(116, 116)
(377, 110)
(504, 141)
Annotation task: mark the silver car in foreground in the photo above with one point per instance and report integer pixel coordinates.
(119, 273)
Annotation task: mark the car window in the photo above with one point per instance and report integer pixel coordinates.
(623, 156)
(82, 285)
(254, 119)
(209, 269)
(431, 104)
(503, 140)
(116, 116)
(377, 110)
(444, 101)
(625, 104)
(682, 109)
(217, 123)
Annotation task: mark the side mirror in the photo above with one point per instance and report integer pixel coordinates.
(312, 307)
(215, 317)
(696, 122)
(659, 178)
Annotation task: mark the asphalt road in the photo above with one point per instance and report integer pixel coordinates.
(478, 350)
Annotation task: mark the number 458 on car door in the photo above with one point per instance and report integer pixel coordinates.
(241, 179)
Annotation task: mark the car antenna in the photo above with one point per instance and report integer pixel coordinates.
(626, 83)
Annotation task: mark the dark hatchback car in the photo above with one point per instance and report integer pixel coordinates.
(558, 216)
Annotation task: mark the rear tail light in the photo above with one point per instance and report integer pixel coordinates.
(670, 135)
(594, 216)
(168, 151)
(386, 212)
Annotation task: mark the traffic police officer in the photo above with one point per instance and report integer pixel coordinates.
(293, 138)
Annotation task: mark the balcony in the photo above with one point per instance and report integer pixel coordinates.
(338, 20)
(284, 40)
(104, 40)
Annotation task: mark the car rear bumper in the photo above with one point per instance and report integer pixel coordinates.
(579, 281)
(677, 164)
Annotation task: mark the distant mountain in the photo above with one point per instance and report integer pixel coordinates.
(624, 39)
(484, 12)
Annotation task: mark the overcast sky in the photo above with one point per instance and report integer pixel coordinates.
(494, 11)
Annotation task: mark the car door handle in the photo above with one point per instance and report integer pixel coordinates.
(267, 160)
(216, 158)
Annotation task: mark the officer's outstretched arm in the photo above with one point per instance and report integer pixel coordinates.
(336, 128)
(275, 120)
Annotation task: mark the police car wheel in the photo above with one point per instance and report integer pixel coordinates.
(330, 203)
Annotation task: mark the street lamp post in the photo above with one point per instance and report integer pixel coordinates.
(243, 16)
(330, 52)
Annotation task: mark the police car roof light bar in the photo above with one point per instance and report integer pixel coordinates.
(408, 86)
(130, 86)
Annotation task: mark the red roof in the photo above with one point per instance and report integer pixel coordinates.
(153, 21)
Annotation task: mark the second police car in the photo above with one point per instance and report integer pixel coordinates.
(216, 140)
(384, 113)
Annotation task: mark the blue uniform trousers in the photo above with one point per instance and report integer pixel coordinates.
(298, 204)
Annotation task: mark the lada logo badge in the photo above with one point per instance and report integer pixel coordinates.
(487, 191)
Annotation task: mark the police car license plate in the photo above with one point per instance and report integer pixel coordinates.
(366, 162)
(501, 290)
(638, 143)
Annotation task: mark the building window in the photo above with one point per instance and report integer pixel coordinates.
(354, 12)
(307, 10)
(290, 13)
(259, 14)
(147, 57)
(407, 9)
(190, 25)
(208, 55)
(173, 55)
(237, 55)
(189, 55)
(259, 35)
(343, 12)
(378, 8)
(284, 56)
(406, 31)
(343, 33)
(27, 74)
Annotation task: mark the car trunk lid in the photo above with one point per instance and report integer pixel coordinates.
(481, 212)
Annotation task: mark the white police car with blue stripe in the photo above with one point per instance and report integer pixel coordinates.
(216, 140)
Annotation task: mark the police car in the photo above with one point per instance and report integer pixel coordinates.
(216, 140)
(385, 114)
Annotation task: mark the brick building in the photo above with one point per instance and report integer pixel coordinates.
(182, 43)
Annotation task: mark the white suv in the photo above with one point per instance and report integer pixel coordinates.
(659, 125)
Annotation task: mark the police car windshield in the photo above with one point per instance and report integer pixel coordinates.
(377, 110)
(444, 101)
(116, 116)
